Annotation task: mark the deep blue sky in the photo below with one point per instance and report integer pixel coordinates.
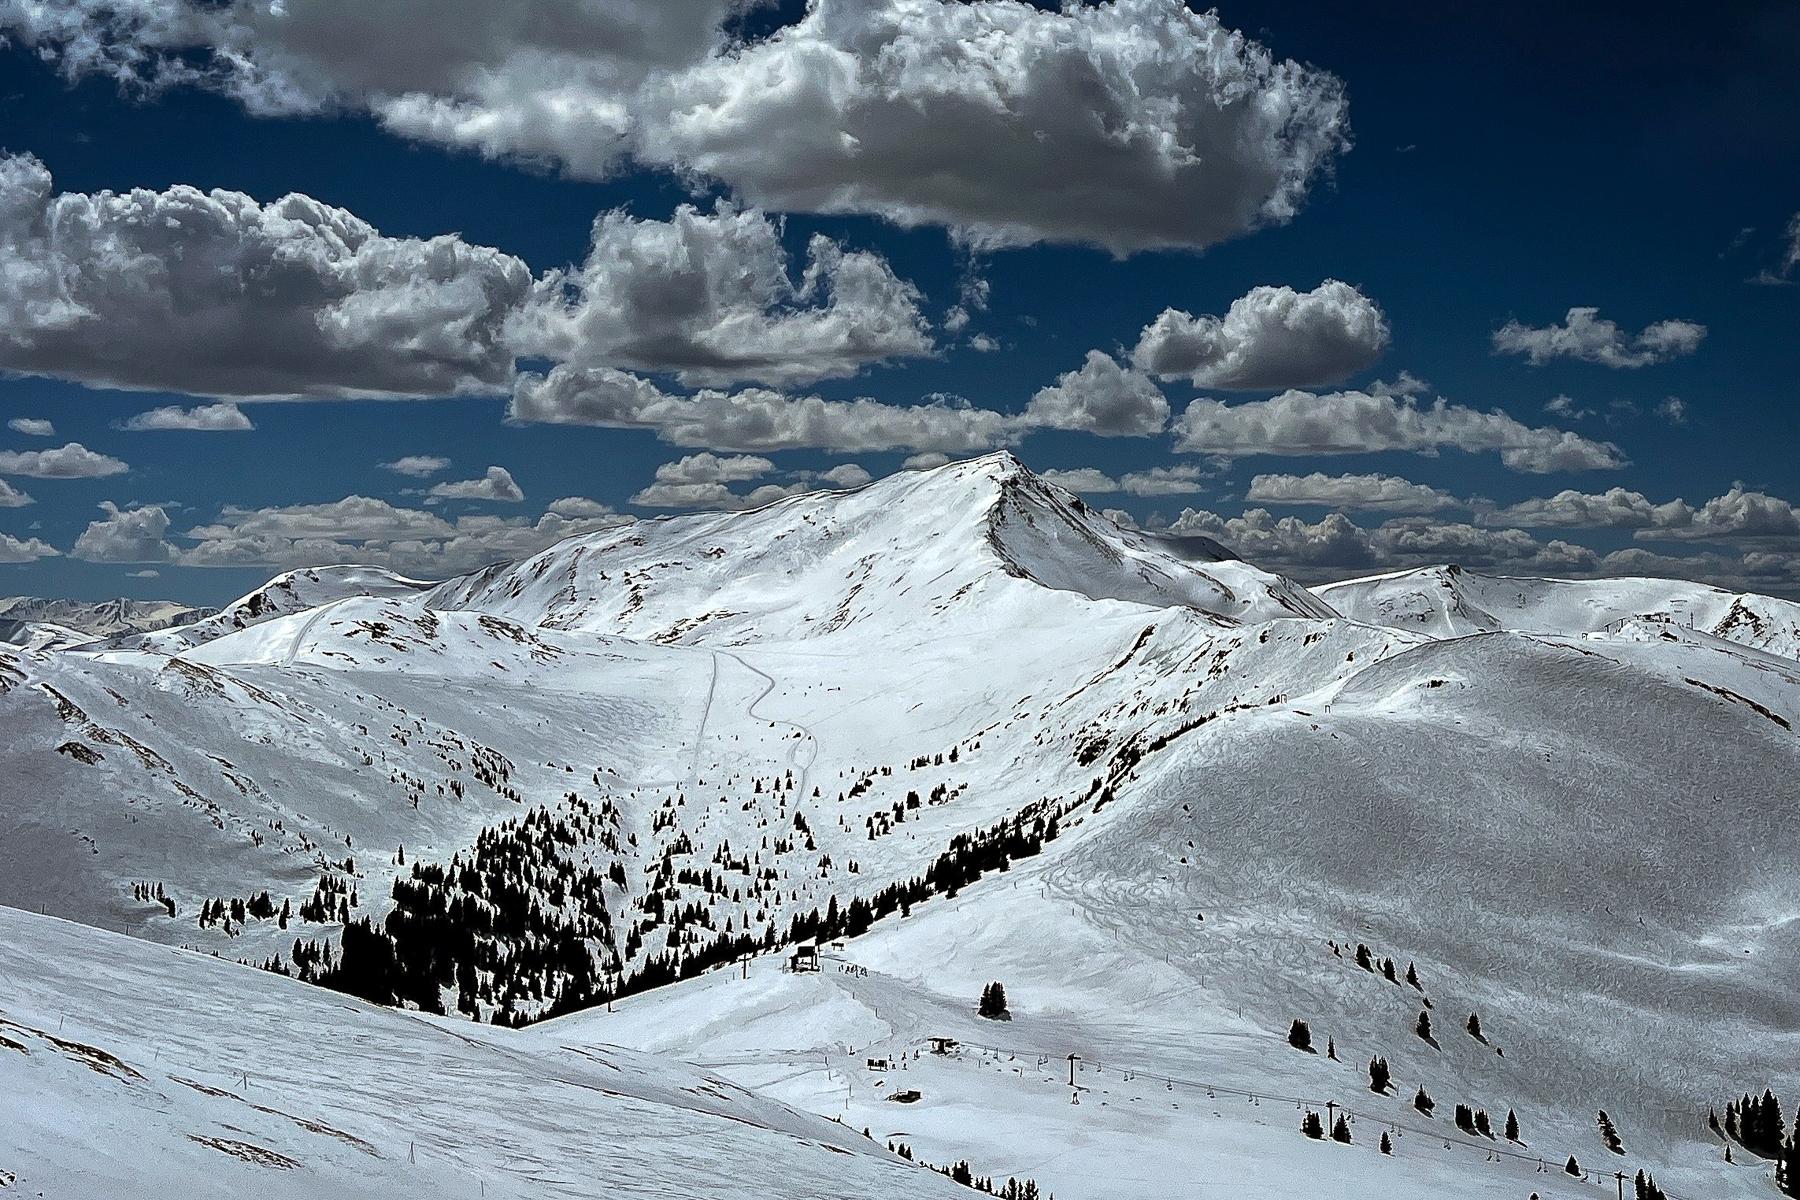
(1508, 163)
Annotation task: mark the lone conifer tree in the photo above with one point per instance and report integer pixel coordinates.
(1300, 1037)
(1312, 1127)
(1379, 1078)
(1573, 1167)
(993, 1003)
(1387, 1147)
(1412, 977)
(1341, 1131)
(1512, 1126)
(1423, 1102)
(1475, 1028)
(1424, 1027)
(1610, 1135)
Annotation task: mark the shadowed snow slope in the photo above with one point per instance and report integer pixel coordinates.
(1576, 820)
(186, 1076)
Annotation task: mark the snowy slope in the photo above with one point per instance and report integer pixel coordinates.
(130, 1069)
(647, 742)
(1451, 602)
(289, 592)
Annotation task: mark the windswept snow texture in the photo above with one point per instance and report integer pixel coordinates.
(1570, 810)
(130, 1069)
(1453, 602)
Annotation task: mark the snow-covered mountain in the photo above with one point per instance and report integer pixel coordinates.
(23, 617)
(1453, 602)
(969, 728)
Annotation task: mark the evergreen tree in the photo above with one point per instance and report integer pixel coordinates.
(1340, 1132)
(1331, 1049)
(993, 1002)
(1424, 1103)
(1300, 1037)
(1379, 1078)
(1787, 1171)
(1412, 977)
(1475, 1028)
(1362, 958)
(1573, 1168)
(1512, 1126)
(1610, 1135)
(1424, 1027)
(1387, 1147)
(1481, 1123)
(1312, 1127)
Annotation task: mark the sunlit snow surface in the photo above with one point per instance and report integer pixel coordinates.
(1571, 809)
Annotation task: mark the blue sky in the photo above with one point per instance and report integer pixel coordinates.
(1457, 171)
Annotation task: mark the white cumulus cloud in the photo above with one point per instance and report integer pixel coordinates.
(1586, 336)
(1271, 337)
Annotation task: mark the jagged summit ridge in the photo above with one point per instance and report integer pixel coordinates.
(985, 537)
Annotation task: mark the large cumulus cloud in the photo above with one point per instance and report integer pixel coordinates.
(1271, 337)
(1130, 124)
(216, 294)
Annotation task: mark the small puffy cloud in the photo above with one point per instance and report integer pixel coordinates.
(134, 535)
(1179, 480)
(12, 497)
(929, 460)
(714, 468)
(1587, 337)
(1388, 493)
(417, 466)
(15, 550)
(146, 573)
(1739, 515)
(214, 418)
(1302, 423)
(981, 343)
(32, 427)
(1336, 543)
(1090, 480)
(1783, 271)
(497, 485)
(754, 418)
(845, 475)
(1566, 408)
(1416, 540)
(1260, 537)
(215, 293)
(73, 461)
(700, 481)
(1101, 397)
(1403, 384)
(1673, 409)
(577, 507)
(364, 530)
(711, 298)
(1615, 508)
(1271, 337)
